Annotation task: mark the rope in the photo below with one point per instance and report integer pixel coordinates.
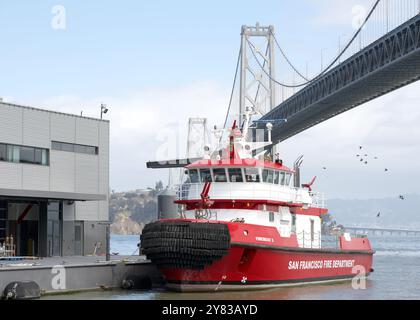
(135, 251)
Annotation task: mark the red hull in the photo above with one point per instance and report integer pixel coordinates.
(269, 268)
(259, 258)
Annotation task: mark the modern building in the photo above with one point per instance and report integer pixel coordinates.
(54, 182)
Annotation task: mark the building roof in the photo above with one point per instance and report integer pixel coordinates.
(51, 111)
(36, 194)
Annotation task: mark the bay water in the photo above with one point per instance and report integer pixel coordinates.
(396, 276)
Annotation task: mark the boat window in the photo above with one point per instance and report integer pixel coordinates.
(235, 175)
(276, 178)
(205, 175)
(282, 178)
(220, 175)
(193, 174)
(267, 175)
(288, 177)
(312, 230)
(252, 175)
(293, 223)
(271, 216)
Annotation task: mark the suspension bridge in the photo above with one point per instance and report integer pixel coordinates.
(383, 231)
(382, 55)
(391, 62)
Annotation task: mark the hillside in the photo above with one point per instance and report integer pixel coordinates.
(130, 211)
(394, 212)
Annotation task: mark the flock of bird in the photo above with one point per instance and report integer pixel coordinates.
(364, 159)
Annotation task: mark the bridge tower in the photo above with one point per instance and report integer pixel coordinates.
(198, 137)
(257, 88)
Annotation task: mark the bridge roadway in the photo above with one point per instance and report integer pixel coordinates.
(382, 231)
(389, 63)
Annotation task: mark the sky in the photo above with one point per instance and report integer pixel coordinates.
(158, 63)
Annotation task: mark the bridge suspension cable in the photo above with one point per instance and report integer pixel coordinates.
(253, 49)
(288, 60)
(233, 90)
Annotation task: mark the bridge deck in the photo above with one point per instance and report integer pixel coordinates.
(389, 63)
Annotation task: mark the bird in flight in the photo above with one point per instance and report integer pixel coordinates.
(402, 197)
(378, 215)
(386, 170)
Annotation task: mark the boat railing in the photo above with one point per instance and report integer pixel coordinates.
(357, 234)
(315, 241)
(331, 242)
(251, 191)
(318, 199)
(7, 250)
(309, 240)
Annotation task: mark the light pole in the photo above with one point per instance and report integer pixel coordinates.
(104, 109)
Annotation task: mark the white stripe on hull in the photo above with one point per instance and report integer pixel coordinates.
(237, 287)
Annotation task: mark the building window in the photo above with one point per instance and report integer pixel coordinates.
(24, 154)
(13, 153)
(27, 155)
(71, 147)
(3, 152)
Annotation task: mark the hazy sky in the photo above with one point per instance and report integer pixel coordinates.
(157, 63)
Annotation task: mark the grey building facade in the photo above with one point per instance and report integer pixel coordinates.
(54, 182)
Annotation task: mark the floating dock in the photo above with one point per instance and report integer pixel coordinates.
(61, 275)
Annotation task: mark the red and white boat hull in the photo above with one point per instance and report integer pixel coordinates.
(269, 269)
(257, 257)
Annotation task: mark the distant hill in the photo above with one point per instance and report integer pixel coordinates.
(129, 211)
(395, 212)
(140, 207)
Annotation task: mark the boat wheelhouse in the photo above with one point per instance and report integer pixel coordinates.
(257, 191)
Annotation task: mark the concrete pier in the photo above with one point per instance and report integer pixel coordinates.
(72, 274)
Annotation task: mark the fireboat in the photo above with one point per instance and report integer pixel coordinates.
(245, 223)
